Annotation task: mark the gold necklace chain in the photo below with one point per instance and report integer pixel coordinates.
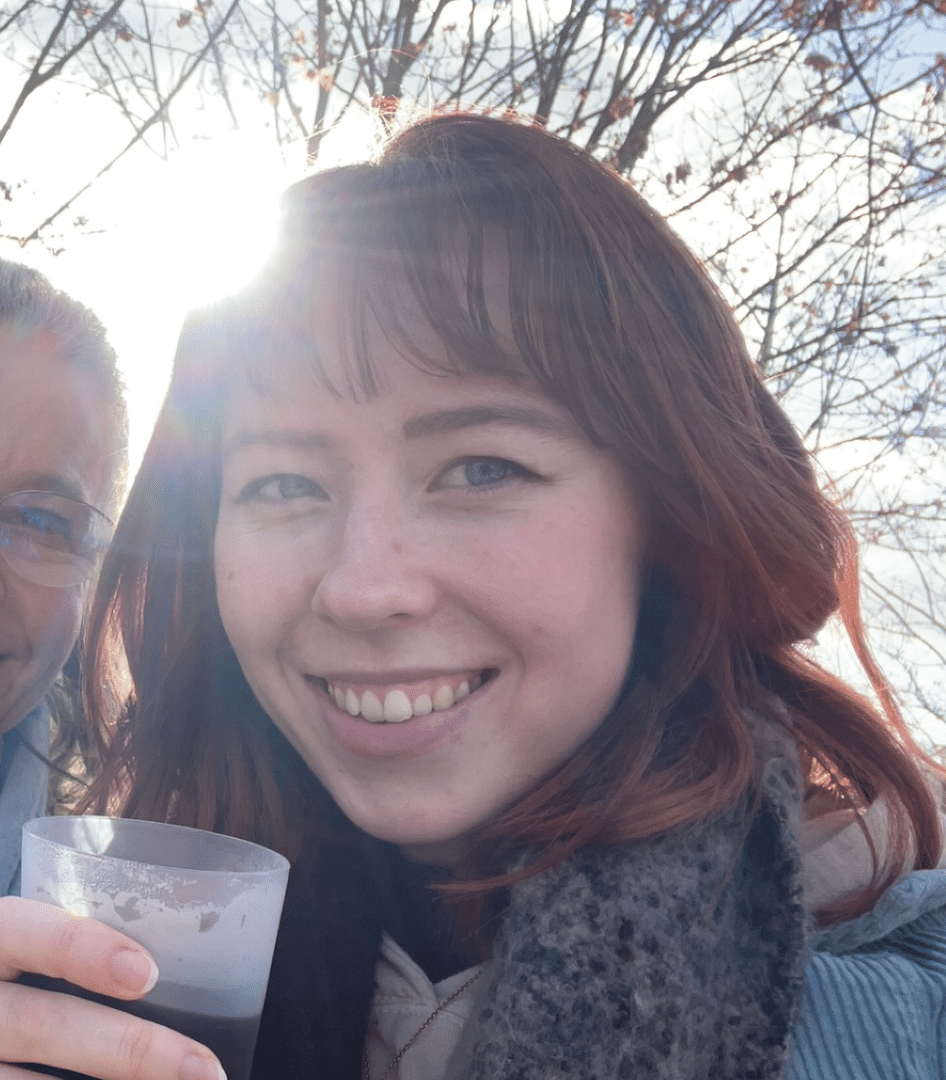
(398, 1057)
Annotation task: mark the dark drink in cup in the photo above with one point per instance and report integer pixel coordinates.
(205, 906)
(231, 1038)
(218, 1025)
(226, 1023)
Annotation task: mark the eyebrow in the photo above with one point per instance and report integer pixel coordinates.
(51, 483)
(428, 425)
(445, 421)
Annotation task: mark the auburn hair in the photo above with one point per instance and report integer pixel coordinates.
(614, 319)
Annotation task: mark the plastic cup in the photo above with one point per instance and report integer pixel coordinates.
(205, 906)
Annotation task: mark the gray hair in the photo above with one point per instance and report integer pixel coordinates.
(29, 303)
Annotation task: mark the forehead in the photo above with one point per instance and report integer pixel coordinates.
(357, 345)
(408, 401)
(344, 318)
(53, 436)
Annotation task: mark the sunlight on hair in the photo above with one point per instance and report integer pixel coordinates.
(182, 233)
(158, 236)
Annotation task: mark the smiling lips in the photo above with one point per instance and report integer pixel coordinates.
(402, 703)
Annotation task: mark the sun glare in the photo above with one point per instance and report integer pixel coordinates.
(176, 234)
(156, 236)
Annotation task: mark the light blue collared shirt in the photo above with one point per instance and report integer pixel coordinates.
(22, 790)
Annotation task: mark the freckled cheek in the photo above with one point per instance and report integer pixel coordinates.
(582, 584)
(258, 591)
(549, 565)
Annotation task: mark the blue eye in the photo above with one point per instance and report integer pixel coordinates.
(284, 487)
(294, 487)
(485, 471)
(51, 539)
(44, 521)
(51, 529)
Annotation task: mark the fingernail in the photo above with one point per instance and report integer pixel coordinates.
(195, 1067)
(133, 970)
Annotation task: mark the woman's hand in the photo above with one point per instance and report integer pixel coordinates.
(67, 1032)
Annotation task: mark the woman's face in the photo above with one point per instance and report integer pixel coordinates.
(50, 440)
(432, 592)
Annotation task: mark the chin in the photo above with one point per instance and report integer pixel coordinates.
(419, 845)
(435, 853)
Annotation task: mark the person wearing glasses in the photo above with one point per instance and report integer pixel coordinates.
(63, 434)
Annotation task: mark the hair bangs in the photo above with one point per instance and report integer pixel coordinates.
(460, 275)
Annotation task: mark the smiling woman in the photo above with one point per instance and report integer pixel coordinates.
(449, 552)
(471, 565)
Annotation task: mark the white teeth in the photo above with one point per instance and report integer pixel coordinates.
(397, 707)
(443, 698)
(371, 707)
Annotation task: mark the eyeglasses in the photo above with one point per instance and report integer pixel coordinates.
(52, 539)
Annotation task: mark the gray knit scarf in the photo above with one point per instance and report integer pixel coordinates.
(679, 958)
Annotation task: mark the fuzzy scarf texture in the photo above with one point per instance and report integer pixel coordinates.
(678, 958)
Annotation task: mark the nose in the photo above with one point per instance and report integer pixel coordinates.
(377, 572)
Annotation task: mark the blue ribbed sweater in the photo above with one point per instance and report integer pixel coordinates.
(875, 991)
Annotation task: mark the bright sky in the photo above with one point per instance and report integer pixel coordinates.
(160, 236)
